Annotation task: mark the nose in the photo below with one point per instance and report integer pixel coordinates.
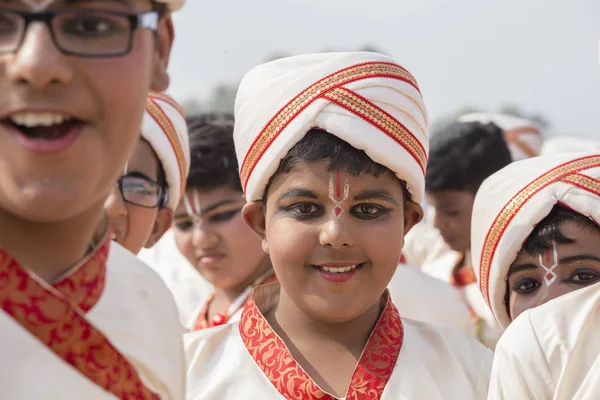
(204, 236)
(336, 233)
(553, 291)
(38, 62)
(115, 205)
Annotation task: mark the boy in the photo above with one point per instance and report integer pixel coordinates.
(462, 155)
(536, 238)
(140, 207)
(332, 218)
(81, 317)
(209, 229)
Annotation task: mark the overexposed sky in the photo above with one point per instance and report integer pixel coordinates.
(539, 54)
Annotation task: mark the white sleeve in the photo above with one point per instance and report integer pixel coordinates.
(520, 369)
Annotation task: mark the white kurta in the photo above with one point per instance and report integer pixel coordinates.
(488, 330)
(423, 298)
(135, 312)
(434, 363)
(551, 351)
(189, 289)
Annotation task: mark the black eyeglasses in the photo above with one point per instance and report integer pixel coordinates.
(77, 32)
(143, 192)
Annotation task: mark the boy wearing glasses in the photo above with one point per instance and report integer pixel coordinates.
(141, 205)
(80, 316)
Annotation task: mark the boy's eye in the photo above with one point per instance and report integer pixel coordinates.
(368, 211)
(184, 226)
(304, 210)
(526, 286)
(585, 277)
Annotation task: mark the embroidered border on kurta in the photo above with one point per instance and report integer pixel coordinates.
(370, 377)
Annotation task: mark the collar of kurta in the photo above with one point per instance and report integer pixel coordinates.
(56, 316)
(272, 356)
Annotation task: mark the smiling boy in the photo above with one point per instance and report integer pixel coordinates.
(332, 151)
(81, 317)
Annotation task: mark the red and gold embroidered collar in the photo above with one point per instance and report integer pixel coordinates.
(55, 315)
(273, 357)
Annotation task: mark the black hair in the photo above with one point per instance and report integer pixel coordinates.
(213, 162)
(548, 230)
(463, 154)
(319, 145)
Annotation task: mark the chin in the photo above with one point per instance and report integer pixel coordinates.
(330, 313)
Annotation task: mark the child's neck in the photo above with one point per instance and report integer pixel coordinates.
(328, 352)
(49, 249)
(467, 261)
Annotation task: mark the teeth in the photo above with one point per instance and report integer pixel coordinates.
(31, 119)
(339, 270)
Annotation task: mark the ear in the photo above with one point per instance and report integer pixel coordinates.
(254, 216)
(413, 214)
(165, 34)
(163, 222)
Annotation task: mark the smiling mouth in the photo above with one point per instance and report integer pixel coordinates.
(338, 270)
(43, 132)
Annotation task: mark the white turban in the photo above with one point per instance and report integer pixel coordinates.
(165, 128)
(568, 144)
(511, 202)
(523, 137)
(365, 99)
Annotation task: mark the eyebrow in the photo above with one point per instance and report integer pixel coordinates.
(210, 208)
(521, 267)
(375, 194)
(296, 192)
(566, 260)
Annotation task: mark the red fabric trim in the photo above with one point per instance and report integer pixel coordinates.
(305, 98)
(370, 377)
(57, 323)
(371, 118)
(512, 207)
(84, 285)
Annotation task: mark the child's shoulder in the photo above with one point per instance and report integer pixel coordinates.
(440, 341)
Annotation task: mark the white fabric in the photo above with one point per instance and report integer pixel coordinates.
(516, 130)
(423, 244)
(551, 351)
(488, 330)
(435, 363)
(568, 144)
(499, 192)
(137, 314)
(266, 89)
(165, 142)
(189, 289)
(423, 298)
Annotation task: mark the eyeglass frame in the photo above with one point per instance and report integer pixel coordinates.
(145, 19)
(164, 191)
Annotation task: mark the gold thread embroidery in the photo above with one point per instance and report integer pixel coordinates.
(159, 116)
(286, 114)
(514, 205)
(585, 182)
(381, 120)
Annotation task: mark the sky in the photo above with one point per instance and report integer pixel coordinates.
(542, 55)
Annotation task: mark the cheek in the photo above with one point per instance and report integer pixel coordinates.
(140, 222)
(120, 89)
(183, 241)
(241, 240)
